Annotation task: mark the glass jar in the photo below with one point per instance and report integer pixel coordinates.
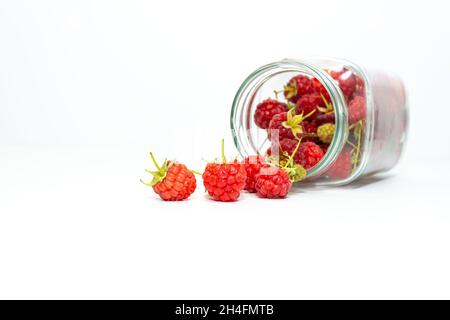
(360, 119)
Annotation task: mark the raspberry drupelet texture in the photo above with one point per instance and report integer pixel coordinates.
(342, 167)
(325, 132)
(309, 131)
(266, 110)
(357, 109)
(178, 185)
(308, 155)
(276, 129)
(346, 80)
(297, 87)
(224, 182)
(320, 90)
(253, 165)
(287, 146)
(272, 182)
(172, 181)
(308, 104)
(288, 125)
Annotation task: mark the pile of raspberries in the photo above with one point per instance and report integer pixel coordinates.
(300, 130)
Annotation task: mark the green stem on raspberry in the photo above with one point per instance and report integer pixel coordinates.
(154, 162)
(293, 121)
(290, 105)
(328, 106)
(277, 93)
(196, 172)
(224, 159)
(358, 133)
(351, 144)
(308, 115)
(291, 157)
(290, 91)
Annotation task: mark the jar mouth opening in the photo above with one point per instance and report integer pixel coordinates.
(245, 98)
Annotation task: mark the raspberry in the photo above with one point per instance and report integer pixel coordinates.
(272, 182)
(346, 80)
(172, 181)
(283, 148)
(224, 181)
(326, 132)
(320, 89)
(286, 125)
(297, 87)
(309, 103)
(252, 166)
(342, 167)
(325, 118)
(309, 128)
(276, 129)
(357, 109)
(288, 145)
(266, 110)
(308, 155)
(360, 86)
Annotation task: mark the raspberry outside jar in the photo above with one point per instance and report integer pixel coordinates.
(349, 122)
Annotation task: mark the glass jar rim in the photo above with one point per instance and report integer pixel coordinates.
(254, 81)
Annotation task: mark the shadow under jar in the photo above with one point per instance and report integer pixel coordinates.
(359, 118)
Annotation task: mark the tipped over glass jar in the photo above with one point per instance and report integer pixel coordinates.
(334, 118)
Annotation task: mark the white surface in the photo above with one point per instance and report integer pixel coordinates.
(76, 223)
(87, 88)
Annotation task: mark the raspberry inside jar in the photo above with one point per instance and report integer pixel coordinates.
(325, 105)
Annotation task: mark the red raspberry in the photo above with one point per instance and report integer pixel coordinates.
(342, 167)
(309, 128)
(272, 182)
(253, 165)
(357, 109)
(346, 80)
(287, 125)
(287, 146)
(360, 87)
(172, 181)
(309, 103)
(266, 110)
(297, 87)
(276, 128)
(325, 118)
(308, 155)
(320, 89)
(224, 181)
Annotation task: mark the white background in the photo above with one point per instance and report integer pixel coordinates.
(87, 88)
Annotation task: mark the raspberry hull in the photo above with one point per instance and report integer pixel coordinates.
(297, 87)
(172, 181)
(178, 185)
